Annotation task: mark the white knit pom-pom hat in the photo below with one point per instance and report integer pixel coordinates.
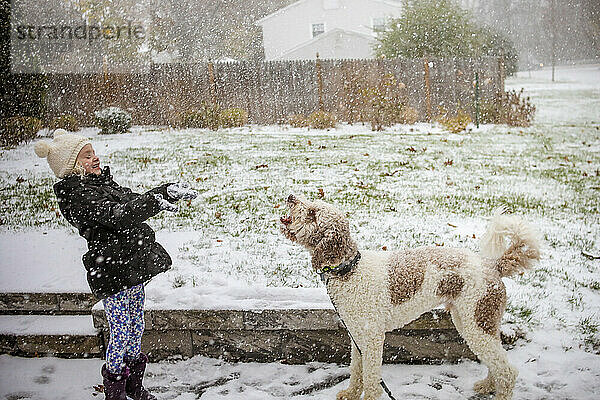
(62, 152)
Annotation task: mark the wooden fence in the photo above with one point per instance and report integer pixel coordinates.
(270, 91)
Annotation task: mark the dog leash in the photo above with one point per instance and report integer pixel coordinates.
(326, 281)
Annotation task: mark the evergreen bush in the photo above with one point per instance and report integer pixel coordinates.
(113, 120)
(441, 28)
(15, 130)
(207, 116)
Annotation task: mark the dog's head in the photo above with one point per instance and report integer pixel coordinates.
(321, 228)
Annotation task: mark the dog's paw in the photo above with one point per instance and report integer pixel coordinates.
(348, 395)
(373, 394)
(484, 386)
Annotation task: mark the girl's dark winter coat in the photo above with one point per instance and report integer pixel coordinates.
(122, 250)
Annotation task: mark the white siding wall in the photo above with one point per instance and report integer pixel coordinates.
(292, 27)
(338, 46)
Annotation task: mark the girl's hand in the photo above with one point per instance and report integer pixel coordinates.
(164, 205)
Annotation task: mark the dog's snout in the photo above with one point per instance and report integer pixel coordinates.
(291, 199)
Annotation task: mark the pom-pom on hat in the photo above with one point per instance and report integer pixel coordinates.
(62, 152)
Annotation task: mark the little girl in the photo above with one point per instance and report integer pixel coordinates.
(122, 251)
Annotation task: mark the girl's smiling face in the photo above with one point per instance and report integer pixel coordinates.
(88, 159)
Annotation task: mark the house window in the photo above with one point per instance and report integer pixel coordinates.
(379, 24)
(317, 29)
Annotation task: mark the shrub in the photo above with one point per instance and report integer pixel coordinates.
(457, 123)
(352, 103)
(207, 116)
(233, 117)
(383, 104)
(322, 120)
(409, 116)
(515, 110)
(299, 121)
(66, 122)
(509, 108)
(489, 113)
(190, 119)
(22, 94)
(113, 120)
(15, 130)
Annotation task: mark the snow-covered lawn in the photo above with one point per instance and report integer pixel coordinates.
(547, 372)
(406, 186)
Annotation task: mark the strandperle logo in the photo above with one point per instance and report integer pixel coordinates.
(80, 32)
(72, 36)
(90, 33)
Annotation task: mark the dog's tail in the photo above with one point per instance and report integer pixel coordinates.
(511, 242)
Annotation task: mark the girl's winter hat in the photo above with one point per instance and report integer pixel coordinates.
(62, 152)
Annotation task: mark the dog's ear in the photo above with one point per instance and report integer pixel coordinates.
(331, 249)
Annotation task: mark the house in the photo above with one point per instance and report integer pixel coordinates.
(332, 28)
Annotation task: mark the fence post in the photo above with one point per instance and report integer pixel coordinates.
(477, 99)
(502, 73)
(211, 83)
(427, 89)
(320, 82)
(105, 84)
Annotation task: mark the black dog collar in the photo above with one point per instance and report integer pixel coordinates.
(341, 269)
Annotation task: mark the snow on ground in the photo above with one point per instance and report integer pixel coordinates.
(52, 264)
(47, 325)
(406, 186)
(48, 264)
(544, 374)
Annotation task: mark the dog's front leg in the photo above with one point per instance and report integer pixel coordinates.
(372, 357)
(355, 389)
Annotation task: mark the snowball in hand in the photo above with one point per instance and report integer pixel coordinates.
(180, 191)
(164, 205)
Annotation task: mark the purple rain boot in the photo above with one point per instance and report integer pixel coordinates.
(134, 387)
(114, 384)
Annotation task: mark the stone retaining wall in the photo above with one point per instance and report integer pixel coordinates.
(64, 346)
(46, 303)
(289, 336)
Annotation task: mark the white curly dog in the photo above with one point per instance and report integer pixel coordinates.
(378, 291)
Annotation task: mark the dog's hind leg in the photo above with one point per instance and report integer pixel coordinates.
(355, 389)
(488, 347)
(484, 386)
(372, 357)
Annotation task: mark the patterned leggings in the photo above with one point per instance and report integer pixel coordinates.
(125, 315)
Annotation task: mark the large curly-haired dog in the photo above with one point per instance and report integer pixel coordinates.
(386, 290)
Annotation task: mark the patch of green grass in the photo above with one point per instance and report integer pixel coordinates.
(593, 285)
(576, 301)
(520, 312)
(29, 202)
(588, 325)
(178, 281)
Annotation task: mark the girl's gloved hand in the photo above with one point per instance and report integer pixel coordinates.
(162, 190)
(181, 191)
(164, 205)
